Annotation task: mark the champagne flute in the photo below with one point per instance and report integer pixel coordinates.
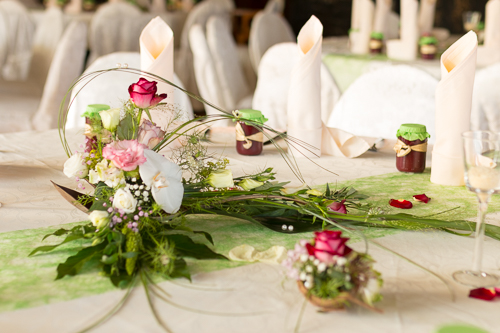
(471, 20)
(482, 176)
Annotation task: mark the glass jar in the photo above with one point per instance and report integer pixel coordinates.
(428, 47)
(411, 148)
(376, 42)
(249, 136)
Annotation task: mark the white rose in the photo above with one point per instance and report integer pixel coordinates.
(107, 173)
(123, 199)
(99, 218)
(75, 167)
(110, 118)
(221, 178)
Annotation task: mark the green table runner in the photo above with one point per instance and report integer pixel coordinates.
(28, 282)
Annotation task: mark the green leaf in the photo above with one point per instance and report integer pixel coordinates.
(127, 255)
(185, 246)
(121, 281)
(271, 186)
(180, 270)
(73, 264)
(47, 248)
(58, 232)
(125, 129)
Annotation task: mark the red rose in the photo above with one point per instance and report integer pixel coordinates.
(328, 244)
(143, 94)
(338, 207)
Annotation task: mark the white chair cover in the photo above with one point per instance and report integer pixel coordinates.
(271, 94)
(275, 6)
(485, 113)
(48, 33)
(380, 21)
(267, 29)
(200, 14)
(112, 88)
(405, 48)
(377, 103)
(110, 29)
(206, 76)
(234, 88)
(392, 26)
(66, 66)
(20, 31)
(426, 13)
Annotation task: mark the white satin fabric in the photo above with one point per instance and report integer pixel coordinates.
(267, 29)
(235, 89)
(19, 32)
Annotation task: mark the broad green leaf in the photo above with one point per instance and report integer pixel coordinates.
(185, 246)
(47, 248)
(73, 264)
(125, 129)
(58, 232)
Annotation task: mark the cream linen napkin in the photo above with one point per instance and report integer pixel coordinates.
(406, 47)
(304, 94)
(304, 102)
(453, 107)
(489, 53)
(361, 27)
(382, 10)
(157, 57)
(426, 16)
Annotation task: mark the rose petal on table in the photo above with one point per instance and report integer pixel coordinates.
(400, 203)
(483, 293)
(497, 291)
(421, 197)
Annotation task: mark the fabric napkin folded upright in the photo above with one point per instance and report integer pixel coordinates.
(426, 16)
(489, 53)
(406, 47)
(453, 109)
(304, 103)
(382, 10)
(157, 57)
(361, 26)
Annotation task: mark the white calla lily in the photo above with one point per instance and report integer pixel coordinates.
(164, 178)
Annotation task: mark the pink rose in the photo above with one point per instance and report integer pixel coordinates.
(328, 244)
(149, 134)
(143, 93)
(126, 154)
(338, 207)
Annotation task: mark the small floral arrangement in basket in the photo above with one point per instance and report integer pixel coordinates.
(331, 275)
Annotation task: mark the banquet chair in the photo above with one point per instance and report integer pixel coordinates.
(378, 102)
(19, 30)
(205, 73)
(267, 29)
(485, 112)
(199, 14)
(110, 29)
(275, 6)
(23, 111)
(235, 90)
(274, 76)
(112, 88)
(47, 35)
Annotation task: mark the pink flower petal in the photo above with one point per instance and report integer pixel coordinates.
(483, 293)
(421, 197)
(401, 203)
(157, 99)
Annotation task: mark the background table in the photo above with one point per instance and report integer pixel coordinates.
(414, 301)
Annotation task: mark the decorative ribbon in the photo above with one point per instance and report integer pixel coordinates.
(402, 149)
(240, 136)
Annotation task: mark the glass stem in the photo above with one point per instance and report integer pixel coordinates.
(483, 199)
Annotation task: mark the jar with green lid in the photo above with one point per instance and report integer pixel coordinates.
(411, 148)
(376, 42)
(428, 46)
(249, 135)
(92, 120)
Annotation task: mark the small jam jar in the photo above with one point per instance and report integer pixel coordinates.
(249, 135)
(376, 42)
(428, 47)
(411, 148)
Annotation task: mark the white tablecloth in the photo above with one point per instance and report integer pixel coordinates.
(414, 301)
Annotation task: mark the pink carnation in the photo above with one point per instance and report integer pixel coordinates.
(126, 154)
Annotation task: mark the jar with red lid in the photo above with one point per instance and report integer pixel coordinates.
(411, 148)
(249, 136)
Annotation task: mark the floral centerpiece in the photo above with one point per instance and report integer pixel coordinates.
(331, 275)
(139, 200)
